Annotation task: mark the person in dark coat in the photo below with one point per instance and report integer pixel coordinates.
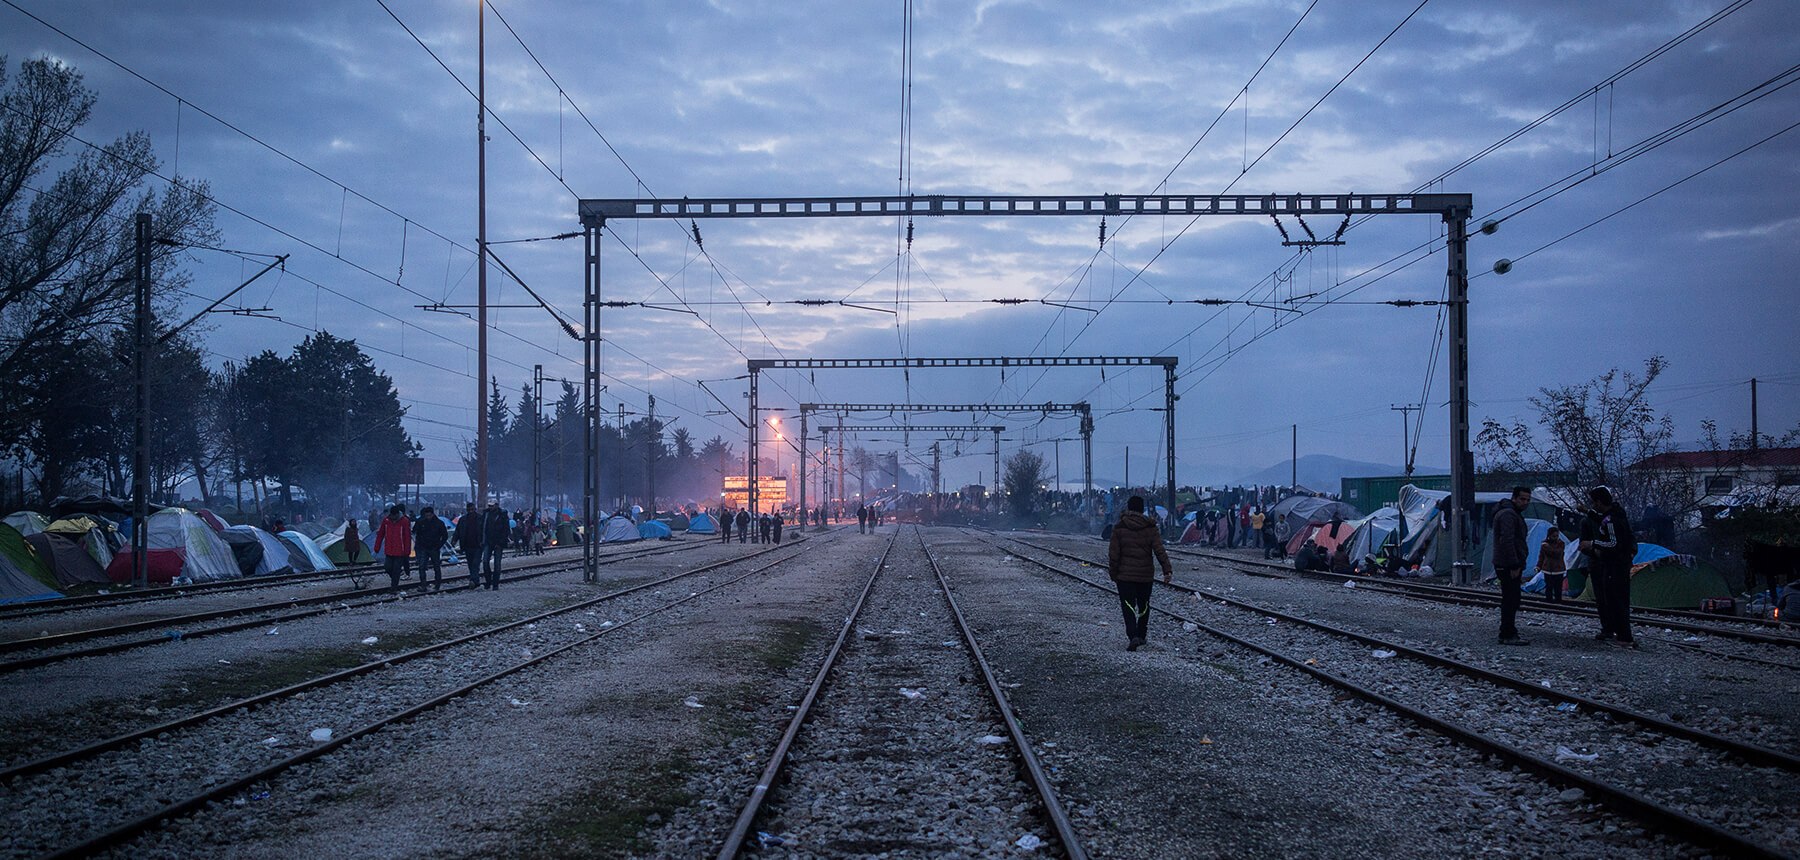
(1511, 547)
(725, 519)
(429, 536)
(763, 524)
(1550, 561)
(1136, 547)
(352, 543)
(468, 541)
(1607, 539)
(776, 527)
(862, 519)
(743, 524)
(494, 531)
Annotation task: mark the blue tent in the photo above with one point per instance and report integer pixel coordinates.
(654, 529)
(702, 524)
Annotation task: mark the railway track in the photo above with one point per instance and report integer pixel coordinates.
(138, 781)
(906, 696)
(57, 647)
(1716, 792)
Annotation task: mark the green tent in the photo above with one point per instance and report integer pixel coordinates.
(23, 575)
(1662, 585)
(334, 549)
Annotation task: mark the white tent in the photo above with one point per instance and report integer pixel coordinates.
(275, 553)
(204, 556)
(618, 528)
(297, 541)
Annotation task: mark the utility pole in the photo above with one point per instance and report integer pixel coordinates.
(481, 352)
(537, 436)
(650, 452)
(1754, 440)
(1294, 461)
(1405, 440)
(1058, 447)
(140, 457)
(1462, 461)
(937, 484)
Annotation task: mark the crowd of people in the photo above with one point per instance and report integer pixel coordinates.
(481, 537)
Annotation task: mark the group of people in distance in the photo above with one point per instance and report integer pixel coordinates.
(761, 528)
(481, 536)
(1606, 539)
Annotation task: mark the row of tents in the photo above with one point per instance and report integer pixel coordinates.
(40, 557)
(1408, 532)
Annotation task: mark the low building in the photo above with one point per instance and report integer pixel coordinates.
(1725, 479)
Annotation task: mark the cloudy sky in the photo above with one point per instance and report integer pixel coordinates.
(353, 147)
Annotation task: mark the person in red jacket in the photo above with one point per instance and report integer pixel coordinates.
(393, 539)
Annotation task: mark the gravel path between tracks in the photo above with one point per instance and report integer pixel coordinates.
(64, 704)
(1751, 703)
(1194, 748)
(592, 753)
(905, 754)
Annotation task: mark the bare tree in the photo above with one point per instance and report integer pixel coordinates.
(1022, 473)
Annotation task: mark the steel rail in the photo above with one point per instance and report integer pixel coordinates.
(130, 829)
(1749, 752)
(740, 831)
(1657, 816)
(384, 594)
(1442, 593)
(1053, 809)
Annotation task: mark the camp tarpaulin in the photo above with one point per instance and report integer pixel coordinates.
(565, 533)
(66, 559)
(702, 524)
(655, 530)
(210, 519)
(1192, 534)
(274, 553)
(23, 575)
(678, 521)
(1295, 513)
(97, 536)
(1372, 532)
(302, 547)
(617, 528)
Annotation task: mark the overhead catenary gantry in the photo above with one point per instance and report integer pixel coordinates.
(1453, 209)
(1081, 409)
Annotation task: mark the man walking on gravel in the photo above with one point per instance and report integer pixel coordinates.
(1510, 551)
(393, 539)
(743, 524)
(494, 531)
(1609, 543)
(1131, 559)
(862, 519)
(724, 525)
(468, 540)
(429, 535)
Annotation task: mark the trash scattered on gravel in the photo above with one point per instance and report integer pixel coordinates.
(1566, 706)
(1571, 795)
(371, 640)
(1382, 654)
(226, 662)
(517, 703)
(1206, 739)
(769, 839)
(320, 735)
(273, 632)
(269, 742)
(910, 693)
(1189, 626)
(692, 702)
(1349, 583)
(1565, 754)
(1029, 842)
(990, 739)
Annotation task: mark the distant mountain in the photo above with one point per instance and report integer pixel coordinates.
(1321, 472)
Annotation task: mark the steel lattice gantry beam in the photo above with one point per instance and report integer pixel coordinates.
(1082, 409)
(1453, 209)
(826, 431)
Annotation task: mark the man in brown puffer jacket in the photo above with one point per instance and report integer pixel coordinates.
(1131, 561)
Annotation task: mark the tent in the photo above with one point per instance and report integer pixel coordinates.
(1193, 534)
(655, 530)
(303, 553)
(1294, 513)
(676, 521)
(332, 547)
(1321, 534)
(565, 534)
(702, 524)
(23, 576)
(1374, 531)
(95, 535)
(245, 550)
(27, 523)
(211, 519)
(1422, 519)
(618, 527)
(308, 530)
(67, 561)
(181, 546)
(1660, 579)
(274, 552)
